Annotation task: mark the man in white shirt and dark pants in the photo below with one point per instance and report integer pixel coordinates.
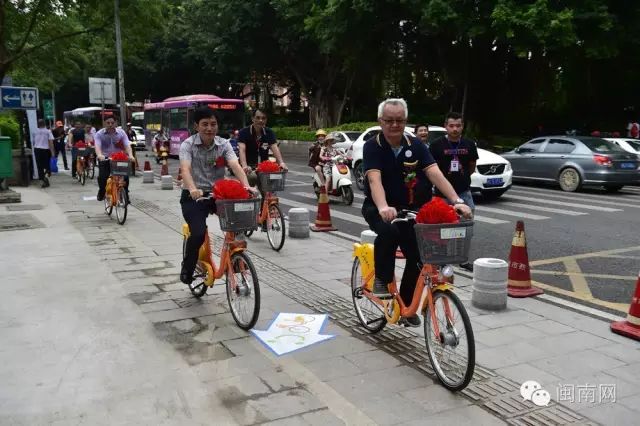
(43, 151)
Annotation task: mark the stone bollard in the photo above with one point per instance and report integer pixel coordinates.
(490, 284)
(298, 223)
(368, 237)
(147, 176)
(166, 182)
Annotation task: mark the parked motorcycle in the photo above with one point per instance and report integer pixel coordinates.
(341, 184)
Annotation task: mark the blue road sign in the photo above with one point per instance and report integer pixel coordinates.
(18, 97)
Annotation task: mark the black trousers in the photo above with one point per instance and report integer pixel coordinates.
(42, 161)
(104, 170)
(60, 149)
(390, 236)
(195, 214)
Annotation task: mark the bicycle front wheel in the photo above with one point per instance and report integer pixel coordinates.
(369, 313)
(92, 169)
(275, 227)
(82, 175)
(121, 206)
(108, 206)
(452, 351)
(243, 290)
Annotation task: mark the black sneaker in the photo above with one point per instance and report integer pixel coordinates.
(413, 321)
(381, 289)
(45, 183)
(100, 196)
(186, 277)
(467, 266)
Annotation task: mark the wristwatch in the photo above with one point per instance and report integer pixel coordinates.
(458, 201)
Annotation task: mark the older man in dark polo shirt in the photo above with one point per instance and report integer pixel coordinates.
(391, 161)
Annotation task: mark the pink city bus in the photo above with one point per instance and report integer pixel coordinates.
(174, 116)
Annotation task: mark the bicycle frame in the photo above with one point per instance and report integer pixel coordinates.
(428, 279)
(114, 183)
(269, 199)
(230, 246)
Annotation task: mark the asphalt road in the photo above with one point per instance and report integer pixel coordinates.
(582, 246)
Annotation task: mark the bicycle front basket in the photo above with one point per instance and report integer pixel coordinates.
(120, 168)
(238, 215)
(444, 243)
(272, 182)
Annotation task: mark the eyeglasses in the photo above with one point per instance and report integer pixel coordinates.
(391, 122)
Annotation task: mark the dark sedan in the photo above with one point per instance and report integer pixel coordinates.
(574, 161)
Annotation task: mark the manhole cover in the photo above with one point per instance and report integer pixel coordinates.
(24, 207)
(16, 222)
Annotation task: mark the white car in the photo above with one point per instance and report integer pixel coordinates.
(492, 176)
(140, 143)
(628, 144)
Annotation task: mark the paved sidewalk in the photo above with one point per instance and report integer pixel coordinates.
(118, 339)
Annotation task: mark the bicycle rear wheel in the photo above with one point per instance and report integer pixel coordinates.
(452, 353)
(369, 313)
(275, 227)
(243, 290)
(92, 168)
(121, 206)
(82, 175)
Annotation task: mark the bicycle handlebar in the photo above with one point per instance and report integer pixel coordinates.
(405, 216)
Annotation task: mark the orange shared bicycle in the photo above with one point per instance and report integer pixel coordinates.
(116, 190)
(447, 328)
(243, 289)
(271, 219)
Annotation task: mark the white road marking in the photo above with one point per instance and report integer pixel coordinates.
(612, 200)
(559, 203)
(511, 213)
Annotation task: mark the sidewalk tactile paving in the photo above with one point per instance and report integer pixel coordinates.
(494, 393)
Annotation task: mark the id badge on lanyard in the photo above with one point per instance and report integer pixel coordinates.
(455, 165)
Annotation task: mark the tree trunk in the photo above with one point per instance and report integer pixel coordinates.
(325, 110)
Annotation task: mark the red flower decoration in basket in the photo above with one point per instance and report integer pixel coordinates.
(220, 162)
(229, 189)
(268, 167)
(437, 211)
(120, 156)
(81, 144)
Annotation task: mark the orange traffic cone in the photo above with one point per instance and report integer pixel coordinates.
(519, 284)
(323, 218)
(631, 326)
(164, 170)
(147, 166)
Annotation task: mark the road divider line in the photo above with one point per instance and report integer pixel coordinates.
(578, 281)
(586, 199)
(581, 274)
(560, 203)
(620, 307)
(582, 256)
(511, 213)
(541, 208)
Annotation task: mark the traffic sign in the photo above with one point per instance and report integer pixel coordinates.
(18, 97)
(47, 105)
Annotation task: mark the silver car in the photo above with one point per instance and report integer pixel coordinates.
(574, 161)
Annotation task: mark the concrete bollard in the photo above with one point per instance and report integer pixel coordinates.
(147, 176)
(166, 182)
(298, 223)
(368, 237)
(490, 284)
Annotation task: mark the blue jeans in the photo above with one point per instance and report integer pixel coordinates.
(468, 199)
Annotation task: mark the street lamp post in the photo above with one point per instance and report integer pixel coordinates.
(123, 105)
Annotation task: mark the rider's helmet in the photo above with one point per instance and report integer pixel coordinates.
(321, 132)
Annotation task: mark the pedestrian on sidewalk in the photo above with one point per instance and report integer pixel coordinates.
(43, 151)
(456, 158)
(398, 168)
(58, 143)
(203, 159)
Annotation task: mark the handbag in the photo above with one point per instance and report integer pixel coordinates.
(53, 165)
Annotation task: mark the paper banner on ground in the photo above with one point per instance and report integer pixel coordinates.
(290, 332)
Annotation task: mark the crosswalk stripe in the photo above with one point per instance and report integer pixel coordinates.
(587, 199)
(511, 213)
(559, 203)
(358, 219)
(307, 195)
(607, 197)
(542, 209)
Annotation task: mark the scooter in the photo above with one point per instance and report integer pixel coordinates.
(162, 151)
(340, 181)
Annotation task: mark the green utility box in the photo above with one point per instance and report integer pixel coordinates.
(6, 161)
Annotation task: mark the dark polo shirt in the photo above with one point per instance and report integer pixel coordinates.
(413, 157)
(256, 145)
